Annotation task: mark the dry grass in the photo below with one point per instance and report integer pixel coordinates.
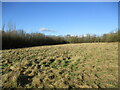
(86, 65)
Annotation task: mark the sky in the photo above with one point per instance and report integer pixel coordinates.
(62, 18)
(0, 15)
(60, 0)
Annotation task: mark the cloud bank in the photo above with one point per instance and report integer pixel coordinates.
(46, 29)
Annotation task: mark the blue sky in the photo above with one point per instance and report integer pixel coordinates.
(61, 18)
(0, 15)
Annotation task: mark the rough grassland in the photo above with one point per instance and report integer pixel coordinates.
(85, 65)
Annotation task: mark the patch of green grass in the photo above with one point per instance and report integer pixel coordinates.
(4, 66)
(73, 67)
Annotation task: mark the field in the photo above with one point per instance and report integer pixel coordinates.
(85, 65)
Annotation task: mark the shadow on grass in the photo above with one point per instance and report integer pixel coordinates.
(23, 80)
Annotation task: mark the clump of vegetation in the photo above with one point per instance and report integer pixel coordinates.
(86, 65)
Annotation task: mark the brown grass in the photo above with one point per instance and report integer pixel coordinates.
(86, 65)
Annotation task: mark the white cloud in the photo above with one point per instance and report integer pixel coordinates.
(46, 29)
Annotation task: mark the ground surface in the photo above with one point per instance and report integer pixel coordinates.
(86, 65)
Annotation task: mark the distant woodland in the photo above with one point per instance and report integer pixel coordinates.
(13, 38)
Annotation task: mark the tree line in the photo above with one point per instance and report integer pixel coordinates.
(18, 39)
(109, 37)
